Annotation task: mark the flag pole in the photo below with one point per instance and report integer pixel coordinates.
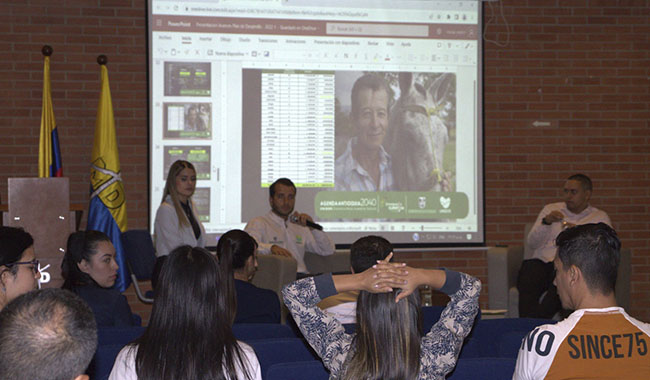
(49, 152)
(47, 50)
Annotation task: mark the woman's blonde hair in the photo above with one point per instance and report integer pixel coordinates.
(170, 189)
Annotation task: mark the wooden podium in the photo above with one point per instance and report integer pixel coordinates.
(42, 207)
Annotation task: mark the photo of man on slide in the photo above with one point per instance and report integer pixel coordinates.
(399, 134)
(365, 165)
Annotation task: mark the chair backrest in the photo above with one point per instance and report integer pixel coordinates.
(285, 350)
(118, 335)
(339, 262)
(483, 340)
(140, 253)
(103, 361)
(483, 368)
(509, 343)
(258, 331)
(312, 370)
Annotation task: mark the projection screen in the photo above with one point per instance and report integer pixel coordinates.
(251, 91)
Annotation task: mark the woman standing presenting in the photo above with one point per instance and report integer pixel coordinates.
(177, 222)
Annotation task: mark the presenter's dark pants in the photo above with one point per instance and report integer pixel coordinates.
(535, 278)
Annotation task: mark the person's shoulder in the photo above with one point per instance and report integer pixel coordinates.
(165, 208)
(596, 210)
(544, 336)
(248, 350)
(249, 287)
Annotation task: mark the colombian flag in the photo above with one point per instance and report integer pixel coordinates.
(107, 211)
(49, 154)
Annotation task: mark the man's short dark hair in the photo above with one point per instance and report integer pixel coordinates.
(585, 181)
(46, 334)
(365, 252)
(281, 181)
(371, 82)
(595, 250)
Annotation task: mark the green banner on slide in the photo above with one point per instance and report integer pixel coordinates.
(391, 205)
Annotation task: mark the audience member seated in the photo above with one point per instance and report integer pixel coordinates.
(90, 270)
(599, 340)
(189, 335)
(364, 253)
(46, 334)
(387, 344)
(538, 296)
(237, 252)
(18, 267)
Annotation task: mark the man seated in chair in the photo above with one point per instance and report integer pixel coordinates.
(285, 232)
(46, 334)
(537, 296)
(599, 340)
(364, 253)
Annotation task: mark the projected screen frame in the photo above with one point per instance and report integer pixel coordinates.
(223, 132)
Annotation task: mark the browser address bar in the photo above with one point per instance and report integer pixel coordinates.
(386, 30)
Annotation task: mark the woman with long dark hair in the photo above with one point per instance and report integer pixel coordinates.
(237, 252)
(189, 336)
(18, 266)
(89, 269)
(388, 343)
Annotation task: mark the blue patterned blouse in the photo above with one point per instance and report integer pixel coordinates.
(439, 347)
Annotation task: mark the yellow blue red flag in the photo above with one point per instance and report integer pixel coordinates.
(49, 154)
(107, 210)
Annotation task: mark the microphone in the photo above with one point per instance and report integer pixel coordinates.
(316, 226)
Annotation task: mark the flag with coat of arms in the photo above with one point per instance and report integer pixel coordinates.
(107, 210)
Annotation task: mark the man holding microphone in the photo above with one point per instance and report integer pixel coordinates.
(537, 295)
(285, 232)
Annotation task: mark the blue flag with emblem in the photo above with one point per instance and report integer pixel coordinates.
(107, 210)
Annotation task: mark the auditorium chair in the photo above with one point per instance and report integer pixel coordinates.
(259, 331)
(503, 266)
(273, 271)
(309, 370)
(285, 350)
(483, 368)
(140, 259)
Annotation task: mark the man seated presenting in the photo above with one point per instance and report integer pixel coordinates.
(284, 232)
(598, 340)
(364, 253)
(537, 295)
(46, 334)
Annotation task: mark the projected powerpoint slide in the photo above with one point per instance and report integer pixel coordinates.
(187, 120)
(199, 156)
(201, 199)
(187, 79)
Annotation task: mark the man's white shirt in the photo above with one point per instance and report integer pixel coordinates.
(271, 229)
(541, 238)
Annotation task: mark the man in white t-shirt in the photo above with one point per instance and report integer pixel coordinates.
(285, 232)
(537, 295)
